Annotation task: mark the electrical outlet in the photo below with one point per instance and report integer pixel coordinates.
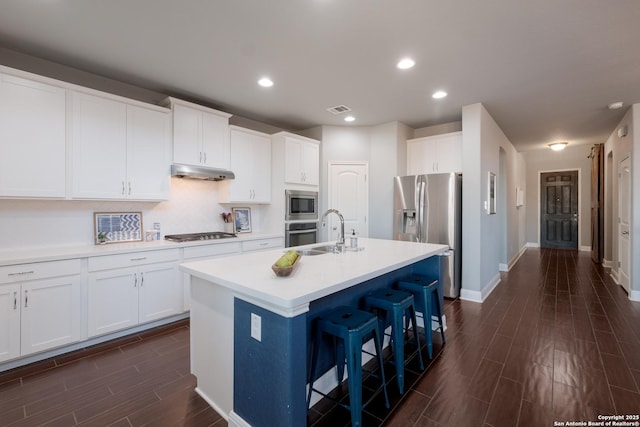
(256, 327)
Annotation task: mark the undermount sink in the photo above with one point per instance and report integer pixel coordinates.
(319, 250)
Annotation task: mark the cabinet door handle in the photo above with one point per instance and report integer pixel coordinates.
(15, 300)
(201, 157)
(141, 279)
(205, 157)
(26, 298)
(129, 188)
(135, 280)
(123, 188)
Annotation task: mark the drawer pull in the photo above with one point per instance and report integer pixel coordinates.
(26, 299)
(15, 300)
(21, 273)
(141, 279)
(264, 244)
(142, 258)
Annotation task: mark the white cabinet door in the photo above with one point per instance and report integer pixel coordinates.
(99, 146)
(112, 301)
(51, 311)
(200, 136)
(160, 293)
(148, 154)
(449, 151)
(311, 163)
(435, 154)
(187, 147)
(215, 140)
(302, 160)
(10, 297)
(32, 139)
(251, 163)
(293, 172)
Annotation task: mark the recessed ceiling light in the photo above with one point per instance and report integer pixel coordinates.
(615, 105)
(558, 146)
(439, 94)
(406, 63)
(265, 82)
(349, 119)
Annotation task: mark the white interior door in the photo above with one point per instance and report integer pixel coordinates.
(624, 214)
(349, 194)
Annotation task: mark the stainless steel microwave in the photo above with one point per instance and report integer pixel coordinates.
(301, 205)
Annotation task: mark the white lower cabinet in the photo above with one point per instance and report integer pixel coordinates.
(37, 312)
(128, 294)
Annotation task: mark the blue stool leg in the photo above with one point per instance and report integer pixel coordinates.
(314, 361)
(438, 308)
(412, 315)
(354, 367)
(427, 327)
(378, 344)
(398, 350)
(339, 354)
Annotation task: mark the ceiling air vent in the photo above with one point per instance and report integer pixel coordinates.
(338, 109)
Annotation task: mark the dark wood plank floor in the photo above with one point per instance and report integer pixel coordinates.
(556, 340)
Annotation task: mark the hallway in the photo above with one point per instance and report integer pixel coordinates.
(557, 340)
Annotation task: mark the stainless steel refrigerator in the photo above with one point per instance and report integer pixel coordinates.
(428, 208)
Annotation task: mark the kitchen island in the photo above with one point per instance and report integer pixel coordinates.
(251, 330)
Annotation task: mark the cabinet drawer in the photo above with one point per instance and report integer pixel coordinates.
(39, 270)
(214, 250)
(132, 259)
(257, 245)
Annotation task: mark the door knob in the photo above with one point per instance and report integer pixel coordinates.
(624, 233)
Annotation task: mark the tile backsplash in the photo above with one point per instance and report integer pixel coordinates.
(192, 207)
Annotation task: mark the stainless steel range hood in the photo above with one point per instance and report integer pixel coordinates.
(200, 172)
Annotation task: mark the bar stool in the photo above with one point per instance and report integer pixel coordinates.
(395, 304)
(425, 290)
(350, 328)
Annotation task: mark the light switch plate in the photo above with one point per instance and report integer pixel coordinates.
(256, 327)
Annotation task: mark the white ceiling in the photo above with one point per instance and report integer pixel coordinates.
(544, 69)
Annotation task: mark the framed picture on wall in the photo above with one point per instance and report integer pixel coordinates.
(242, 219)
(491, 194)
(117, 227)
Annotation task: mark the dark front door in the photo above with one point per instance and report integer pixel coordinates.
(559, 210)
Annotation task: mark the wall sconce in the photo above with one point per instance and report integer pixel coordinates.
(558, 146)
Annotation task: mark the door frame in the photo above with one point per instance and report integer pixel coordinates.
(331, 163)
(579, 170)
(617, 227)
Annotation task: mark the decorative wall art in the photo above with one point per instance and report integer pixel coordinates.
(491, 194)
(117, 227)
(242, 219)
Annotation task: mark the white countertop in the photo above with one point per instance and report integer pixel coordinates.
(24, 256)
(249, 276)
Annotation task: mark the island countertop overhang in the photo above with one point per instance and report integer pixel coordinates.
(249, 276)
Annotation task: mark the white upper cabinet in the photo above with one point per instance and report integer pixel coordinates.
(148, 153)
(435, 154)
(32, 139)
(120, 151)
(251, 164)
(302, 160)
(200, 135)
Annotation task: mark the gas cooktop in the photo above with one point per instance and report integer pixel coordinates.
(190, 237)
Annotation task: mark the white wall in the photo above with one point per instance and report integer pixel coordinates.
(547, 160)
(482, 252)
(31, 224)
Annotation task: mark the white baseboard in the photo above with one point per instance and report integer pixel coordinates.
(606, 263)
(212, 404)
(236, 420)
(480, 296)
(585, 248)
(634, 296)
(512, 261)
(503, 267)
(532, 245)
(614, 276)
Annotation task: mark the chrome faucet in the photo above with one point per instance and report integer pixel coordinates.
(340, 242)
